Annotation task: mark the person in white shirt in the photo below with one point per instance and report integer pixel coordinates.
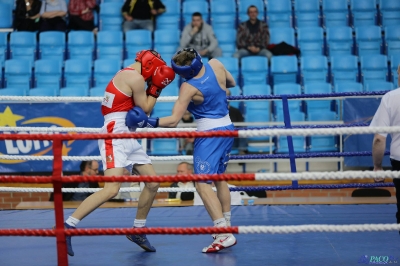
(388, 114)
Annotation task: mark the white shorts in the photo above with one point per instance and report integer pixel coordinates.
(120, 152)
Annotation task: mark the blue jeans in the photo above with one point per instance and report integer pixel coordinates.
(135, 24)
(244, 52)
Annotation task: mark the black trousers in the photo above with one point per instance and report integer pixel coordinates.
(396, 181)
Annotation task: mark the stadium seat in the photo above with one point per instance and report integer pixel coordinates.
(317, 87)
(166, 41)
(344, 68)
(256, 89)
(394, 62)
(80, 45)
(368, 40)
(295, 106)
(110, 45)
(235, 91)
(314, 69)
(322, 143)
(389, 12)
(306, 13)
(223, 14)
(339, 41)
(168, 22)
(3, 49)
(364, 12)
(13, 92)
(374, 68)
(164, 147)
(278, 35)
(43, 92)
(18, 74)
(128, 62)
(318, 114)
(226, 40)
(6, 15)
(335, 13)
(348, 87)
(189, 7)
(279, 13)
(392, 40)
(163, 109)
(110, 16)
(316, 106)
(232, 65)
(78, 74)
(244, 5)
(48, 73)
(97, 91)
(284, 69)
(137, 40)
(23, 45)
(104, 71)
(311, 41)
(255, 70)
(299, 144)
(378, 86)
(52, 45)
(73, 91)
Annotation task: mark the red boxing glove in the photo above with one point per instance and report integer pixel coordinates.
(162, 76)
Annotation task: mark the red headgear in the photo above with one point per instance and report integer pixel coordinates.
(150, 60)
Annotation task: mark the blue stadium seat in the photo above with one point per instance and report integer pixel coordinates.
(78, 74)
(284, 69)
(278, 35)
(364, 12)
(314, 69)
(235, 91)
(137, 40)
(223, 14)
(348, 87)
(166, 41)
(318, 114)
(316, 106)
(110, 16)
(128, 62)
(232, 65)
(311, 41)
(23, 45)
(104, 71)
(368, 40)
(163, 109)
(339, 41)
(335, 13)
(317, 87)
(73, 91)
(378, 86)
(244, 5)
(344, 68)
(48, 73)
(80, 45)
(392, 40)
(6, 15)
(13, 92)
(18, 74)
(52, 45)
(306, 13)
(287, 88)
(389, 12)
(97, 91)
(110, 45)
(43, 92)
(255, 70)
(3, 49)
(168, 22)
(299, 144)
(394, 62)
(226, 40)
(189, 7)
(374, 68)
(279, 13)
(322, 144)
(111, 1)
(295, 106)
(164, 147)
(256, 89)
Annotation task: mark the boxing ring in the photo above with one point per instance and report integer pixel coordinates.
(291, 235)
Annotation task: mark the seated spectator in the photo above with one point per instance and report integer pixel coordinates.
(53, 14)
(81, 15)
(128, 195)
(237, 116)
(252, 36)
(183, 168)
(139, 14)
(186, 144)
(200, 36)
(27, 15)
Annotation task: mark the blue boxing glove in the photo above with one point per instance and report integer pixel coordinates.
(136, 118)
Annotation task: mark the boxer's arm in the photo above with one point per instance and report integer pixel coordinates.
(186, 94)
(230, 80)
(137, 85)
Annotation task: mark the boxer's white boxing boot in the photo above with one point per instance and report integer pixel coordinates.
(222, 241)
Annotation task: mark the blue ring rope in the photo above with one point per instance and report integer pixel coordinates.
(311, 95)
(307, 126)
(302, 155)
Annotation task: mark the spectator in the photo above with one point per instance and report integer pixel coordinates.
(53, 14)
(27, 15)
(200, 36)
(81, 15)
(236, 116)
(183, 168)
(252, 36)
(128, 195)
(139, 14)
(186, 144)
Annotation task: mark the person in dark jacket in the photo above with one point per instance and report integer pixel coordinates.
(139, 14)
(27, 15)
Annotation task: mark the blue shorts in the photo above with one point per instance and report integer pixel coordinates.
(211, 155)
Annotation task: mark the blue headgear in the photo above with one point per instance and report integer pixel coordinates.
(191, 70)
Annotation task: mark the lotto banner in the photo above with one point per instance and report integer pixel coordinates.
(47, 115)
(361, 111)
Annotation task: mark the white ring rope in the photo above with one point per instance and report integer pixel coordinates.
(87, 158)
(42, 130)
(290, 229)
(92, 190)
